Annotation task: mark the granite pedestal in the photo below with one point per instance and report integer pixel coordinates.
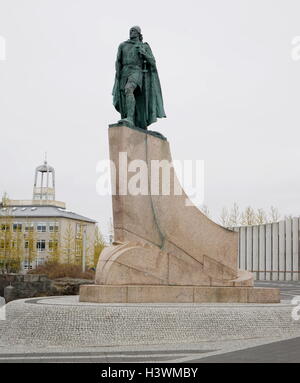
(166, 249)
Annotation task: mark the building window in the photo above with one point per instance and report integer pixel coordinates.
(27, 265)
(39, 261)
(41, 245)
(79, 230)
(41, 227)
(5, 244)
(4, 227)
(29, 227)
(53, 227)
(26, 244)
(17, 227)
(52, 245)
(78, 247)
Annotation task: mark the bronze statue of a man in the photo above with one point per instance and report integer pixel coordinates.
(137, 92)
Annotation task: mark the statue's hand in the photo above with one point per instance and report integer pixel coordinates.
(141, 50)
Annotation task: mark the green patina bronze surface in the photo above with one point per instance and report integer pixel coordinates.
(137, 92)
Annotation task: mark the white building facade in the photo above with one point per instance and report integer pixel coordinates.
(271, 251)
(39, 229)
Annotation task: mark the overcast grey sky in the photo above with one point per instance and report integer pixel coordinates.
(230, 87)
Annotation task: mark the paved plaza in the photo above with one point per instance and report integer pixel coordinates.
(288, 289)
(60, 329)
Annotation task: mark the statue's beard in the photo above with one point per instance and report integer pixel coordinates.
(137, 38)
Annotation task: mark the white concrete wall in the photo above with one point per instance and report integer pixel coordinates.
(270, 251)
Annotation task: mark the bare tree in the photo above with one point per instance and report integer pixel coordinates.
(274, 215)
(261, 217)
(248, 217)
(234, 216)
(224, 217)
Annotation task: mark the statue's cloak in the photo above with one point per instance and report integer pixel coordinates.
(149, 101)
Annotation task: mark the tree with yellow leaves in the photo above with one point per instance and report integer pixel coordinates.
(30, 245)
(68, 248)
(55, 246)
(11, 240)
(99, 245)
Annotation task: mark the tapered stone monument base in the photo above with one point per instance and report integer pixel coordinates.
(176, 294)
(165, 250)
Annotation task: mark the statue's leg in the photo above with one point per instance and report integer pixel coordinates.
(130, 100)
(123, 103)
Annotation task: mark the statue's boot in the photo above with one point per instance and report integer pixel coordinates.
(130, 106)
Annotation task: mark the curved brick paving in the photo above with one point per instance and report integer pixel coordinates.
(63, 321)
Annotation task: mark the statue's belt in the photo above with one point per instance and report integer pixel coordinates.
(130, 66)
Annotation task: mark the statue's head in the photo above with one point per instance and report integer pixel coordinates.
(135, 32)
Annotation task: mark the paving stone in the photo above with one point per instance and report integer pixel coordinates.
(64, 321)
